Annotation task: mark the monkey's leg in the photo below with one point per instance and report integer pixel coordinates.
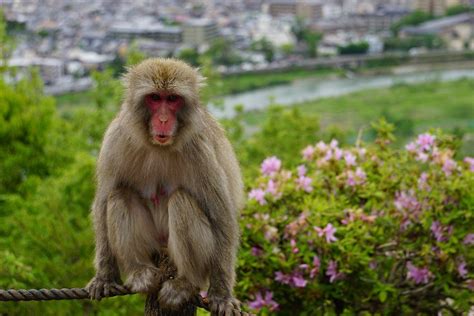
(190, 246)
(133, 239)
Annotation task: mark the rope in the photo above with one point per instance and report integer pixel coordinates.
(55, 294)
(78, 294)
(73, 294)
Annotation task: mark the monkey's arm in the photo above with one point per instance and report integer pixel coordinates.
(107, 271)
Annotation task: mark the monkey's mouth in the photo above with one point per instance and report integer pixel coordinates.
(162, 139)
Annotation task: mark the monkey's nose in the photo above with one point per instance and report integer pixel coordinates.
(163, 118)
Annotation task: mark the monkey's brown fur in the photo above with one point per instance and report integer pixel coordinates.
(182, 199)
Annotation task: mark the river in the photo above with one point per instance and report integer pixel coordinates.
(315, 88)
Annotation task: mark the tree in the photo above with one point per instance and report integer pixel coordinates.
(312, 39)
(107, 89)
(29, 134)
(7, 44)
(134, 56)
(222, 52)
(405, 44)
(458, 9)
(298, 28)
(354, 48)
(287, 49)
(302, 33)
(415, 18)
(266, 47)
(189, 55)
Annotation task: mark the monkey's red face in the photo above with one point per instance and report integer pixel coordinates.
(164, 108)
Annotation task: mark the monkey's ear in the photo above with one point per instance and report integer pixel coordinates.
(200, 79)
(125, 79)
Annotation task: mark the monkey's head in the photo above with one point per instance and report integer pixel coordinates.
(162, 100)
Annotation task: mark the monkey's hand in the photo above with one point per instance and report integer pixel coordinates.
(101, 285)
(223, 306)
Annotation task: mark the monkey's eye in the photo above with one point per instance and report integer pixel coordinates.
(155, 97)
(172, 98)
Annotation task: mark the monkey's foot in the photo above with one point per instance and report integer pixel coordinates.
(144, 280)
(176, 292)
(100, 287)
(224, 306)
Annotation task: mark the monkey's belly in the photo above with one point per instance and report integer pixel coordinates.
(158, 206)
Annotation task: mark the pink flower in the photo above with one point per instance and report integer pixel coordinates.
(373, 264)
(422, 157)
(437, 231)
(332, 273)
(462, 270)
(258, 195)
(422, 182)
(293, 228)
(321, 146)
(470, 162)
(316, 265)
(262, 301)
(406, 201)
(270, 165)
(328, 232)
(425, 141)
(272, 189)
(271, 233)
(333, 144)
(308, 152)
(411, 147)
(418, 275)
(282, 278)
(360, 174)
(328, 156)
(294, 249)
(356, 178)
(298, 280)
(257, 251)
(469, 239)
(301, 170)
(350, 159)
(448, 166)
(361, 152)
(295, 279)
(470, 284)
(304, 183)
(338, 154)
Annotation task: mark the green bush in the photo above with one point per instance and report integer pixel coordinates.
(354, 48)
(361, 230)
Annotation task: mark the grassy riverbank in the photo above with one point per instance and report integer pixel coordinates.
(412, 108)
(246, 82)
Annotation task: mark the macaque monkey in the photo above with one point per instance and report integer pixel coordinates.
(167, 182)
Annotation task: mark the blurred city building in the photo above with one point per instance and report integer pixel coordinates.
(66, 39)
(438, 7)
(199, 31)
(309, 9)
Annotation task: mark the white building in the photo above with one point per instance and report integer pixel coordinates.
(51, 69)
(197, 32)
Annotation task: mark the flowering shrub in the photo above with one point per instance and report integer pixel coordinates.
(367, 228)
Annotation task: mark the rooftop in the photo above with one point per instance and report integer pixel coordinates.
(438, 25)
